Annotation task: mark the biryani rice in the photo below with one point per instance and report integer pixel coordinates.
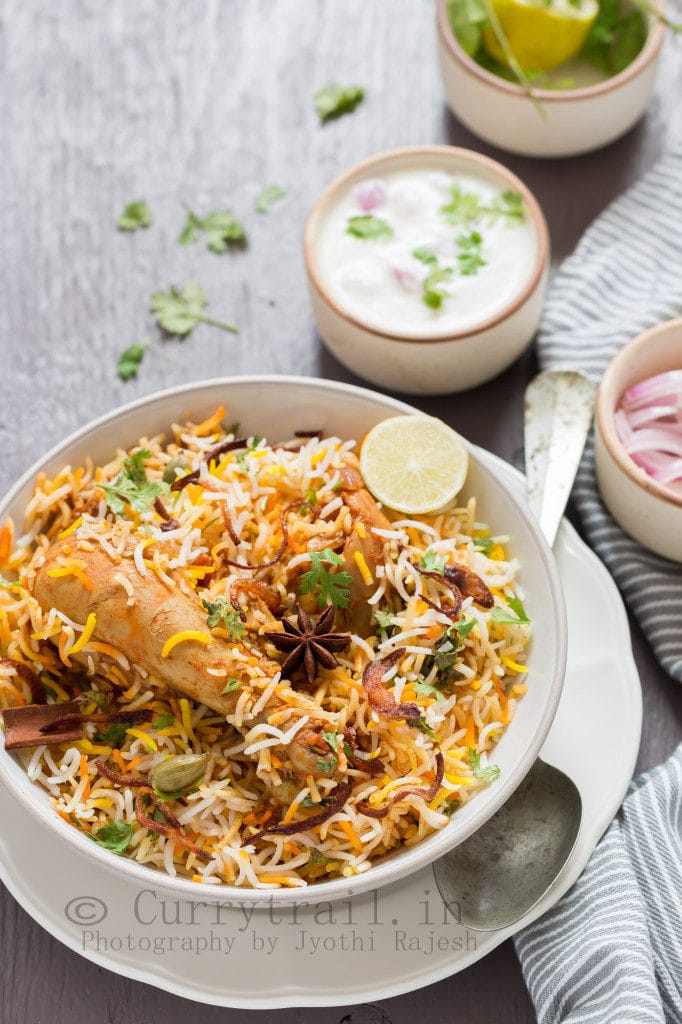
(234, 798)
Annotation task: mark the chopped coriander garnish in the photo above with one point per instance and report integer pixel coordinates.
(242, 456)
(308, 801)
(516, 616)
(489, 774)
(425, 255)
(385, 619)
(484, 544)
(179, 310)
(269, 195)
(469, 257)
(221, 228)
(466, 207)
(221, 612)
(231, 685)
(347, 749)
(310, 501)
(427, 689)
(327, 764)
(332, 741)
(433, 291)
(135, 215)
(463, 627)
(368, 226)
(174, 466)
(314, 855)
(163, 721)
(132, 487)
(8, 584)
(508, 205)
(331, 587)
(431, 562)
(114, 736)
(115, 836)
(334, 100)
(419, 723)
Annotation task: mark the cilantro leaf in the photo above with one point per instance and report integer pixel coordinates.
(269, 195)
(433, 290)
(314, 855)
(466, 207)
(132, 487)
(467, 19)
(115, 836)
(221, 612)
(463, 627)
(425, 255)
(419, 723)
(135, 215)
(230, 686)
(489, 774)
(179, 310)
(331, 588)
(242, 456)
(385, 619)
(484, 544)
(163, 721)
(332, 741)
(334, 100)
(469, 257)
(516, 616)
(221, 228)
(509, 205)
(327, 764)
(427, 690)
(170, 473)
(114, 736)
(366, 225)
(615, 38)
(431, 562)
(130, 359)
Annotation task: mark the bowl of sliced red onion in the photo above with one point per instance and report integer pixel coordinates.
(639, 439)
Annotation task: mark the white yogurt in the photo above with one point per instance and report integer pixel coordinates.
(483, 262)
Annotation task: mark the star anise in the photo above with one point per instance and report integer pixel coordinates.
(309, 643)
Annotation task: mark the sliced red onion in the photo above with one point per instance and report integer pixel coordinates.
(665, 388)
(649, 426)
(370, 194)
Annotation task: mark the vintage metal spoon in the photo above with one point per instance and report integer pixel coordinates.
(495, 877)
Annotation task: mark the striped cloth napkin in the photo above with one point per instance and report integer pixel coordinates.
(610, 952)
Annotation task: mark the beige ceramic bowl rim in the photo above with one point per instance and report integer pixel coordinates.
(608, 397)
(405, 154)
(391, 870)
(644, 58)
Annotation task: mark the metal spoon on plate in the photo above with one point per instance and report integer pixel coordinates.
(495, 877)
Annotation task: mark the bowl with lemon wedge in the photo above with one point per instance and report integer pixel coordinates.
(550, 78)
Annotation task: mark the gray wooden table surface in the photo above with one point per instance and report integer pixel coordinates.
(203, 102)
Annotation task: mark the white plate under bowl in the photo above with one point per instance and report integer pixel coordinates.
(594, 739)
(275, 407)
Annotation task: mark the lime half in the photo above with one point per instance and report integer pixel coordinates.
(414, 464)
(541, 35)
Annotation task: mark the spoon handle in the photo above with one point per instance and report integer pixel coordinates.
(558, 412)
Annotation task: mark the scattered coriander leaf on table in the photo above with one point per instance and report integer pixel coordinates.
(368, 226)
(130, 359)
(220, 227)
(269, 195)
(334, 100)
(135, 215)
(179, 310)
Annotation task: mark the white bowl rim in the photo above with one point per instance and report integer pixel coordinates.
(406, 153)
(607, 400)
(405, 861)
(648, 53)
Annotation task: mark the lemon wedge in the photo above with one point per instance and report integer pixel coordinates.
(414, 464)
(541, 35)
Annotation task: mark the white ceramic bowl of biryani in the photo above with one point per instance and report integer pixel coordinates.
(483, 728)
